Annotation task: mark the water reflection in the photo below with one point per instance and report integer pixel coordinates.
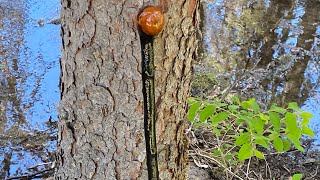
(29, 75)
(265, 49)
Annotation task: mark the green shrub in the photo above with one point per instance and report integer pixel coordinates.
(242, 129)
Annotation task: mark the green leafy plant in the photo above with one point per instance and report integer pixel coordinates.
(297, 177)
(243, 130)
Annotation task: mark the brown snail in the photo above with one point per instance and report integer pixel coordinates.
(151, 20)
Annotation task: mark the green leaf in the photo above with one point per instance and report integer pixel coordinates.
(219, 104)
(236, 100)
(305, 122)
(264, 117)
(286, 145)
(262, 143)
(275, 121)
(306, 115)
(216, 153)
(240, 120)
(278, 109)
(295, 142)
(245, 152)
(297, 177)
(278, 144)
(232, 136)
(249, 121)
(291, 122)
(294, 106)
(216, 131)
(258, 154)
(307, 131)
(291, 125)
(255, 107)
(246, 104)
(259, 136)
(233, 107)
(297, 133)
(228, 146)
(273, 135)
(258, 125)
(191, 100)
(242, 139)
(193, 111)
(221, 149)
(229, 127)
(299, 147)
(207, 112)
(293, 138)
(255, 124)
(244, 112)
(228, 157)
(216, 119)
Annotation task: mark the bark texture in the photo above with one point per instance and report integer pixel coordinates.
(175, 50)
(101, 133)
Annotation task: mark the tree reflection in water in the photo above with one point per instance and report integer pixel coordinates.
(29, 74)
(263, 49)
(269, 50)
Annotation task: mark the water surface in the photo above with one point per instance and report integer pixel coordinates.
(268, 49)
(29, 75)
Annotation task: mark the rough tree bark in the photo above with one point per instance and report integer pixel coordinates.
(101, 133)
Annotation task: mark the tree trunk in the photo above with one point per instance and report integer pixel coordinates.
(101, 133)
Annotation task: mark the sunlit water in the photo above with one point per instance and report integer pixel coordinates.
(278, 41)
(29, 77)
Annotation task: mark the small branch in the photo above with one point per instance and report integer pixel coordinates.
(268, 169)
(42, 164)
(314, 175)
(284, 167)
(217, 162)
(248, 167)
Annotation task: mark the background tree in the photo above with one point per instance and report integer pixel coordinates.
(101, 109)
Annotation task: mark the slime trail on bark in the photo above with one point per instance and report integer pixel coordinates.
(150, 23)
(149, 105)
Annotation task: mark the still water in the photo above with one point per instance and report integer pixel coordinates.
(269, 50)
(278, 41)
(29, 76)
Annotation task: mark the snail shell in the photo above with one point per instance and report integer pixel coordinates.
(151, 20)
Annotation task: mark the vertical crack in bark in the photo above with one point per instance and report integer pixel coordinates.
(95, 169)
(122, 7)
(80, 165)
(68, 3)
(93, 37)
(70, 126)
(89, 6)
(114, 158)
(61, 84)
(90, 12)
(62, 35)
